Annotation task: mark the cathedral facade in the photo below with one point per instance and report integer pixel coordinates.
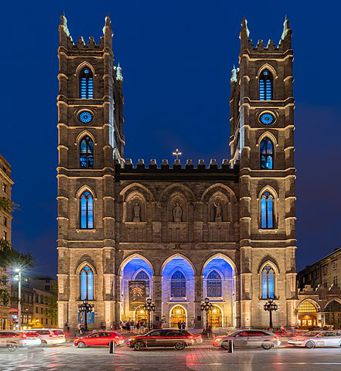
(182, 232)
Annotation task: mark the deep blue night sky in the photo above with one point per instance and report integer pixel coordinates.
(176, 58)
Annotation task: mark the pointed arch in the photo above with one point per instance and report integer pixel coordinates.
(267, 201)
(86, 285)
(178, 284)
(129, 258)
(214, 284)
(220, 256)
(86, 152)
(308, 300)
(84, 188)
(86, 83)
(336, 299)
(266, 154)
(125, 192)
(83, 261)
(86, 210)
(266, 78)
(84, 133)
(268, 260)
(177, 256)
(177, 188)
(218, 187)
(268, 282)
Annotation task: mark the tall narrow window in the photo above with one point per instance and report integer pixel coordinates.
(143, 276)
(86, 152)
(87, 283)
(267, 211)
(265, 85)
(86, 210)
(266, 154)
(214, 285)
(86, 84)
(268, 283)
(178, 285)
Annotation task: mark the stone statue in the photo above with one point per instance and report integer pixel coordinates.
(177, 213)
(218, 215)
(136, 212)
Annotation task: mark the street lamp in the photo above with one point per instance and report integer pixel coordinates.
(149, 307)
(85, 308)
(206, 306)
(17, 277)
(270, 306)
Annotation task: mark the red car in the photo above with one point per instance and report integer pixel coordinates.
(99, 338)
(178, 339)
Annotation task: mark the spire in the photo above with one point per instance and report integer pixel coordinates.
(107, 32)
(244, 34)
(119, 75)
(286, 34)
(64, 33)
(234, 74)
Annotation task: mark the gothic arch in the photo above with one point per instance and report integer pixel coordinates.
(82, 262)
(338, 300)
(177, 189)
(128, 258)
(313, 302)
(82, 65)
(134, 197)
(83, 134)
(225, 207)
(84, 188)
(270, 189)
(269, 135)
(177, 256)
(268, 260)
(218, 187)
(267, 66)
(223, 257)
(139, 271)
(137, 187)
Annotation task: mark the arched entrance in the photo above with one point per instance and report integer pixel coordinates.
(177, 314)
(307, 314)
(140, 314)
(215, 317)
(333, 314)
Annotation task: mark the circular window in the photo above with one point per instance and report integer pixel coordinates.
(267, 118)
(85, 117)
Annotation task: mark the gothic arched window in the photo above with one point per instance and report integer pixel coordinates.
(143, 276)
(86, 152)
(265, 85)
(214, 285)
(87, 283)
(86, 210)
(267, 211)
(178, 285)
(266, 150)
(268, 283)
(86, 84)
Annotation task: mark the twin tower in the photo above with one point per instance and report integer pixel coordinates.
(176, 233)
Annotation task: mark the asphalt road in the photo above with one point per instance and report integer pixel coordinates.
(200, 358)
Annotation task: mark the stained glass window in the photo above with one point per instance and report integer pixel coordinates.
(86, 84)
(266, 154)
(214, 285)
(142, 276)
(87, 283)
(86, 210)
(266, 211)
(178, 285)
(265, 85)
(268, 283)
(86, 152)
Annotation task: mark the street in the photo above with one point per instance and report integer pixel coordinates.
(202, 357)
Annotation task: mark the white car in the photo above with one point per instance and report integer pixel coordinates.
(50, 336)
(314, 339)
(14, 339)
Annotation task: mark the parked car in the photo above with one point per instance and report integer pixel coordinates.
(49, 336)
(314, 339)
(248, 338)
(99, 338)
(178, 339)
(14, 339)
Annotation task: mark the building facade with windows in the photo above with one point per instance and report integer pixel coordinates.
(177, 233)
(320, 293)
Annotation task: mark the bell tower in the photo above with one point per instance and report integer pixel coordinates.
(90, 142)
(262, 144)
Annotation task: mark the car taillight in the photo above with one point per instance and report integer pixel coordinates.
(23, 336)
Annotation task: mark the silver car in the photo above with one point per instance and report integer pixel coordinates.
(248, 338)
(314, 339)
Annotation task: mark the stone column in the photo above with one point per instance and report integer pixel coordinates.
(157, 298)
(198, 297)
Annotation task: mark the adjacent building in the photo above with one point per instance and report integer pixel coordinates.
(319, 293)
(180, 232)
(6, 184)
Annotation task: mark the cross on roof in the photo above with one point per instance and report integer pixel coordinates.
(177, 154)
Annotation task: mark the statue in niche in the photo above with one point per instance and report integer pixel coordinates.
(136, 212)
(218, 212)
(177, 213)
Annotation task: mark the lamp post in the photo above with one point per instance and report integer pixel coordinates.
(85, 308)
(17, 277)
(270, 306)
(206, 306)
(149, 307)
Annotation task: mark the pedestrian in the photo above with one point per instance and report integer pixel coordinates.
(179, 325)
(183, 326)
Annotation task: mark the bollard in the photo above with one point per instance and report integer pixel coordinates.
(230, 350)
(111, 347)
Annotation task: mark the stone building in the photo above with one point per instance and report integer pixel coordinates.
(319, 293)
(176, 232)
(6, 184)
